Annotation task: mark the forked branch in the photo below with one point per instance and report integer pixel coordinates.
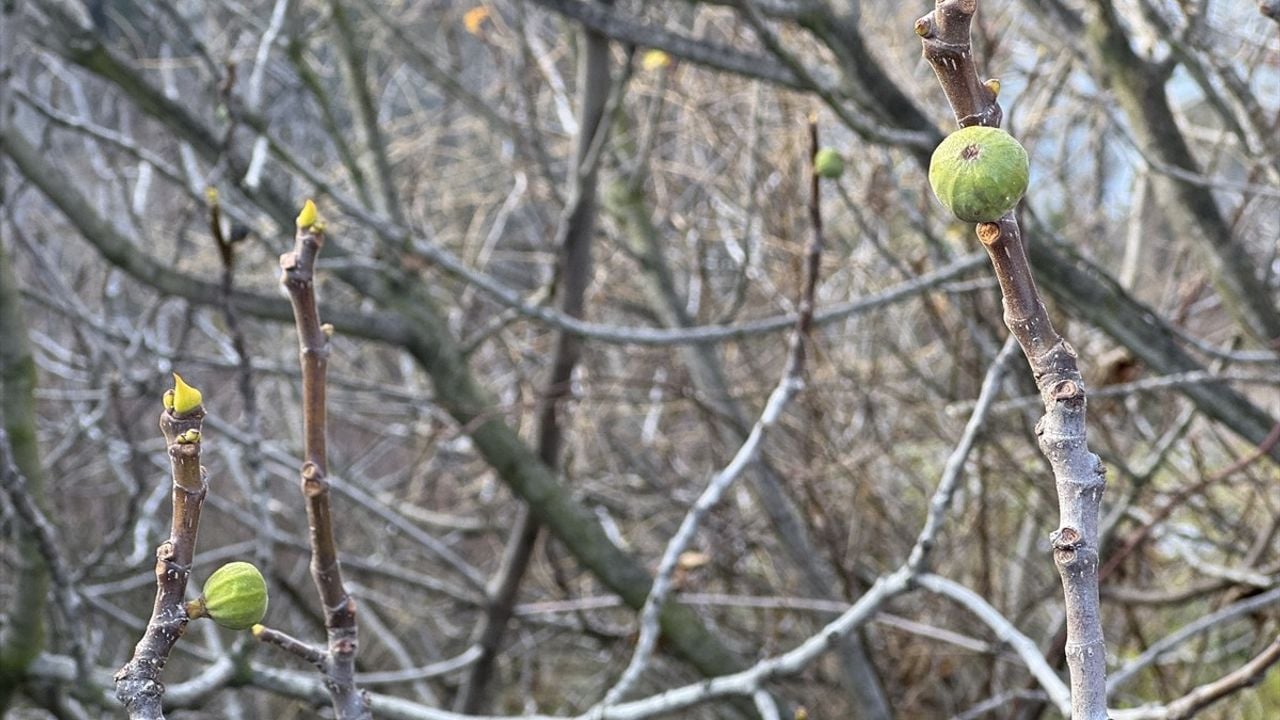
(338, 663)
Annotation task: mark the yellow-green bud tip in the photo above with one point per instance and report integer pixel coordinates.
(185, 397)
(308, 216)
(168, 399)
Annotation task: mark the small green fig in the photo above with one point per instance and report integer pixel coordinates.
(827, 163)
(235, 597)
(979, 173)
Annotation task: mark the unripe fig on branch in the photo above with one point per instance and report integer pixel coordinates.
(235, 597)
(827, 163)
(979, 173)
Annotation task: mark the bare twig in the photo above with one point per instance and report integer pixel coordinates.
(227, 246)
(292, 645)
(253, 96)
(1189, 705)
(1006, 632)
(298, 268)
(65, 593)
(918, 561)
(598, 96)
(1190, 630)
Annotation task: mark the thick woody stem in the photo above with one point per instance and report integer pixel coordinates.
(138, 685)
(298, 269)
(1079, 475)
(945, 36)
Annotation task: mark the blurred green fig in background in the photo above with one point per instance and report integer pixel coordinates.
(828, 163)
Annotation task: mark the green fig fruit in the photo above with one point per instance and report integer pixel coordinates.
(235, 597)
(979, 173)
(828, 163)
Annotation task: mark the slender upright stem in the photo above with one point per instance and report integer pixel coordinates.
(138, 684)
(298, 267)
(1079, 475)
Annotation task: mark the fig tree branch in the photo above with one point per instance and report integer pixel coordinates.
(298, 277)
(1078, 474)
(138, 685)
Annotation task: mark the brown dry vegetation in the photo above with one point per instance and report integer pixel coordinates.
(1154, 264)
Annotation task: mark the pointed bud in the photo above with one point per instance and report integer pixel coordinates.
(185, 397)
(308, 216)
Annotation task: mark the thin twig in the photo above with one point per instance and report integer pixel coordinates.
(1247, 675)
(599, 95)
(298, 267)
(66, 592)
(1006, 632)
(1188, 631)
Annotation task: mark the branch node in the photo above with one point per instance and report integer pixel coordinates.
(313, 479)
(1066, 390)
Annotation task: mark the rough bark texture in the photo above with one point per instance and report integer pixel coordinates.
(1079, 475)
